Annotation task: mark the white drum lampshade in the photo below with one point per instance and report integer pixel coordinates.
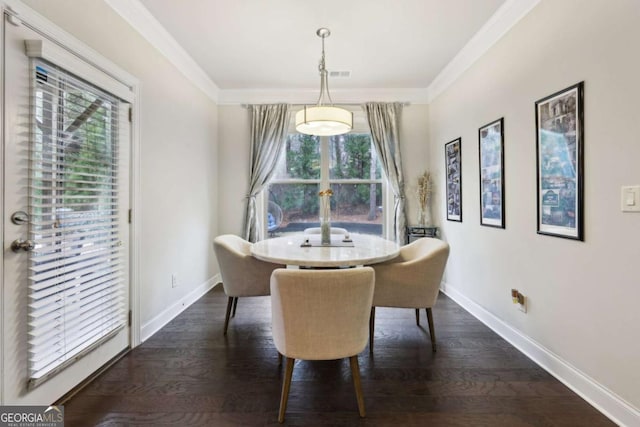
(324, 121)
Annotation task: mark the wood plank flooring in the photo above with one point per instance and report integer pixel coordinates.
(189, 374)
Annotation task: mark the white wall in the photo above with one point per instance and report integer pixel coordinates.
(583, 296)
(178, 145)
(414, 139)
(234, 135)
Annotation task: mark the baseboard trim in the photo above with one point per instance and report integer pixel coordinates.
(601, 398)
(158, 322)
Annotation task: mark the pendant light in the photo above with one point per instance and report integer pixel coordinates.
(324, 119)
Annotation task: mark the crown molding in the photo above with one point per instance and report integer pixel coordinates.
(507, 15)
(310, 96)
(148, 26)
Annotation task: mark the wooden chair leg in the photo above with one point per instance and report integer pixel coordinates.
(372, 326)
(286, 385)
(355, 373)
(418, 316)
(431, 330)
(235, 305)
(226, 319)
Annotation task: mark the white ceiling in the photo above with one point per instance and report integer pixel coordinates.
(260, 44)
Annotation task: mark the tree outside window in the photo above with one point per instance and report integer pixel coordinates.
(345, 163)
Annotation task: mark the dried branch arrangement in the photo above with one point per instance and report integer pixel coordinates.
(424, 189)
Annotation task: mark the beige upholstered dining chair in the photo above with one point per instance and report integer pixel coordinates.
(317, 230)
(411, 280)
(242, 274)
(321, 315)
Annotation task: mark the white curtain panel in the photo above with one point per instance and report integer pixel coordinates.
(384, 122)
(269, 124)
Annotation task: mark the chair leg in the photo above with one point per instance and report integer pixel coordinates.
(286, 385)
(235, 305)
(372, 326)
(431, 330)
(418, 316)
(355, 373)
(279, 359)
(226, 319)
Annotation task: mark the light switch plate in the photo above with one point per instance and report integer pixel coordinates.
(630, 198)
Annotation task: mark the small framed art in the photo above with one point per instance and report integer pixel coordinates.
(559, 159)
(453, 168)
(491, 156)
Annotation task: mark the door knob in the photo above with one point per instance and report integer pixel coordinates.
(25, 245)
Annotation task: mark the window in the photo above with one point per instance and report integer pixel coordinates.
(77, 270)
(345, 163)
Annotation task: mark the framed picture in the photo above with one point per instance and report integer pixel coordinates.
(453, 159)
(559, 159)
(491, 154)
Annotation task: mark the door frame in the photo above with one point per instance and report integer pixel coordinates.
(21, 14)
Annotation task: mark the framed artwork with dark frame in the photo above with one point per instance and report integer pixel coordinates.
(559, 160)
(453, 168)
(491, 157)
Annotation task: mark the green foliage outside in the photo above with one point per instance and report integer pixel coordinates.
(302, 162)
(350, 158)
(74, 141)
(88, 153)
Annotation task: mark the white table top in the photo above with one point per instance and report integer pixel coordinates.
(366, 250)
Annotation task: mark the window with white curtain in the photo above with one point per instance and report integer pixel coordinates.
(347, 164)
(76, 271)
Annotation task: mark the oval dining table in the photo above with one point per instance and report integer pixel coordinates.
(292, 251)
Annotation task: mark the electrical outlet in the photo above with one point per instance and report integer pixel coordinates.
(174, 280)
(519, 299)
(514, 295)
(522, 303)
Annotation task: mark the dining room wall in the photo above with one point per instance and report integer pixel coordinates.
(178, 158)
(234, 136)
(582, 316)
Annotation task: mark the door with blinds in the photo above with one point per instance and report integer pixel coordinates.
(66, 239)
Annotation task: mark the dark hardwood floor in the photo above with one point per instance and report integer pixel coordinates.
(188, 374)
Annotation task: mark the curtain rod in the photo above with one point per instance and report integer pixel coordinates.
(342, 104)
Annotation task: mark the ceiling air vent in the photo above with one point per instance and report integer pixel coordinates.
(340, 74)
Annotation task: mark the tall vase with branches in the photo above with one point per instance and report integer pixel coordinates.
(424, 190)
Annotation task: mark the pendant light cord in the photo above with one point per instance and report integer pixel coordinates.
(324, 80)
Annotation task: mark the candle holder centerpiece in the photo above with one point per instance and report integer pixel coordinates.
(325, 216)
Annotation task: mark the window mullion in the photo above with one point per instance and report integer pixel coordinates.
(295, 181)
(324, 162)
(324, 165)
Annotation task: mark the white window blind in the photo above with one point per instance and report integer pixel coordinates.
(76, 286)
